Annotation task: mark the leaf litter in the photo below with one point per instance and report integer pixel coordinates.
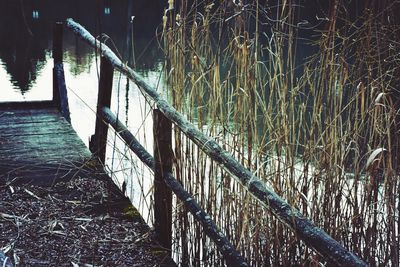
(80, 222)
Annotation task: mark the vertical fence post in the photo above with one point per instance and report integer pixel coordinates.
(162, 131)
(60, 98)
(98, 142)
(57, 42)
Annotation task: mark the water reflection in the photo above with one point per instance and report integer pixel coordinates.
(26, 37)
(26, 68)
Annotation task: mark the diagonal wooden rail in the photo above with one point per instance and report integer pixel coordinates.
(306, 230)
(232, 257)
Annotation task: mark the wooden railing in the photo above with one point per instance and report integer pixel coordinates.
(60, 99)
(307, 231)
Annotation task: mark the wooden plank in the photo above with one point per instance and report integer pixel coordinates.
(31, 127)
(22, 120)
(53, 140)
(39, 146)
(36, 141)
(36, 156)
(34, 111)
(28, 115)
(27, 105)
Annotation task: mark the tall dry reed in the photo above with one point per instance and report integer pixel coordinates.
(312, 107)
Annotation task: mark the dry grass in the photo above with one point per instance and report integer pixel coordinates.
(308, 126)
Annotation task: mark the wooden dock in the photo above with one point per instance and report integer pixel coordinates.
(39, 146)
(54, 195)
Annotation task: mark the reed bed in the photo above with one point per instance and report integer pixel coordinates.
(312, 107)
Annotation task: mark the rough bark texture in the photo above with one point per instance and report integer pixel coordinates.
(60, 96)
(60, 91)
(163, 157)
(98, 142)
(306, 230)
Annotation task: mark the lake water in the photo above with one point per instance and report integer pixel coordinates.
(26, 66)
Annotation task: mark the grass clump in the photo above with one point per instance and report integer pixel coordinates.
(303, 101)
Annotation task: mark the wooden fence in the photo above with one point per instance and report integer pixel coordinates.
(307, 231)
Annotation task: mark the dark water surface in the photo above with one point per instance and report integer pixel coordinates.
(26, 39)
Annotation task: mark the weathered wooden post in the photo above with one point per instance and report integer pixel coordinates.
(60, 97)
(57, 43)
(98, 142)
(162, 131)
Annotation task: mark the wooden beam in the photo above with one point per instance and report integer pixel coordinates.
(98, 142)
(57, 42)
(162, 132)
(60, 97)
(304, 228)
(28, 105)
